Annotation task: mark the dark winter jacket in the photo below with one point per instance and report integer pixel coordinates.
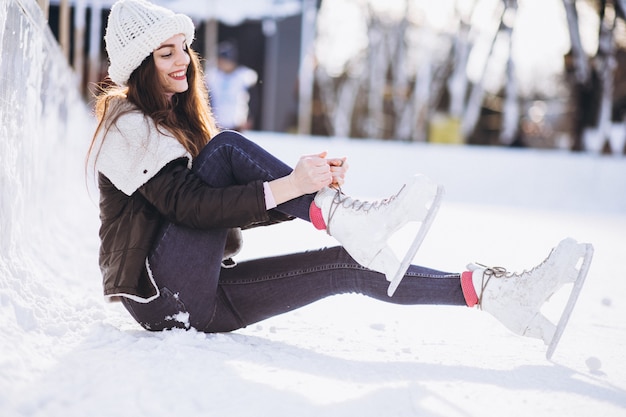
(145, 180)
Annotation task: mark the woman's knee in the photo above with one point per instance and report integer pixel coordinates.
(226, 137)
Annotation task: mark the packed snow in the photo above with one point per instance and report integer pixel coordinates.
(64, 351)
(67, 352)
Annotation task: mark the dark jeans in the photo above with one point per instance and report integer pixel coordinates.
(197, 292)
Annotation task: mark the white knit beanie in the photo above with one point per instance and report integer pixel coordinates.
(135, 29)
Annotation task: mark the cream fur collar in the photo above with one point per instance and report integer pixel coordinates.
(134, 150)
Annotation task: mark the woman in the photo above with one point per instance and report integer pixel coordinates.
(174, 192)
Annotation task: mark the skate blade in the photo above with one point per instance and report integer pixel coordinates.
(571, 302)
(419, 237)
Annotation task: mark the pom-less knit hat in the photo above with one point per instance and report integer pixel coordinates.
(135, 29)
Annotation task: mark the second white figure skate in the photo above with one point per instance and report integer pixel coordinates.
(364, 228)
(516, 299)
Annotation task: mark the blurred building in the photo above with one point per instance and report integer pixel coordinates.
(401, 71)
(268, 33)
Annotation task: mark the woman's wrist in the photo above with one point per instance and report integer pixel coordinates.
(284, 189)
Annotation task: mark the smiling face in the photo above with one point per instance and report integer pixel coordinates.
(171, 60)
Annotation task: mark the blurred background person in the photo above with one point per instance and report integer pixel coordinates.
(229, 89)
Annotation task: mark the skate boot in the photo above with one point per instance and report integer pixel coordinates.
(363, 228)
(516, 299)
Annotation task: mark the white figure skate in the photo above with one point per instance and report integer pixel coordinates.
(516, 299)
(364, 228)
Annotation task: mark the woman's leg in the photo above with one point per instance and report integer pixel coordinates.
(229, 158)
(196, 292)
(258, 289)
(185, 263)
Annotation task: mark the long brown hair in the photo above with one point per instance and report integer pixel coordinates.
(186, 115)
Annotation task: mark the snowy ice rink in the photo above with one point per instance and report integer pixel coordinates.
(65, 352)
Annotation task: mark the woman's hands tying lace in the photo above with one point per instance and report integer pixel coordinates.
(313, 172)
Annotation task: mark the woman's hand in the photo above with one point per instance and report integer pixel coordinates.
(311, 174)
(338, 169)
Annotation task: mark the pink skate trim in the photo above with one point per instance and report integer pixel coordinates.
(315, 213)
(469, 292)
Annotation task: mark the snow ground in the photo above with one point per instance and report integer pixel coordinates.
(65, 352)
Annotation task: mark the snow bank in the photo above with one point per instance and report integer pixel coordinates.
(39, 109)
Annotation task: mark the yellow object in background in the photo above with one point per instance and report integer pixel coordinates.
(445, 129)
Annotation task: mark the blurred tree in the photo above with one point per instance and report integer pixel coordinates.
(410, 79)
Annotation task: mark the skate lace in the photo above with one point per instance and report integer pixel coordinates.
(342, 200)
(490, 272)
(500, 272)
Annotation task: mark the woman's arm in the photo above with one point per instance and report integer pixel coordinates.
(182, 197)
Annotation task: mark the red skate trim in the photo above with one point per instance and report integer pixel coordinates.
(315, 214)
(469, 292)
